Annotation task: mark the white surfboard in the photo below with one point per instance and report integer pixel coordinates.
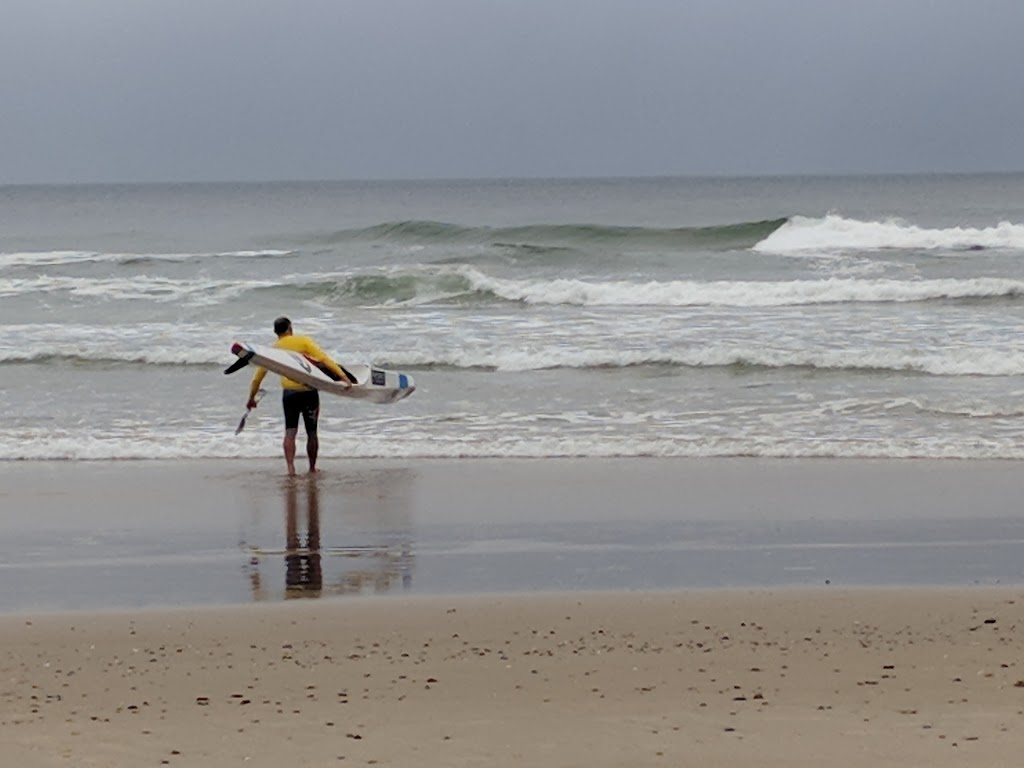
(374, 384)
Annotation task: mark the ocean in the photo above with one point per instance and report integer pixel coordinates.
(773, 317)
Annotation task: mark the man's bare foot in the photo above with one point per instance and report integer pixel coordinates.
(291, 470)
(313, 470)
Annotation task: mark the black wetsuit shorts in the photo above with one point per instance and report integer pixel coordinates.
(304, 402)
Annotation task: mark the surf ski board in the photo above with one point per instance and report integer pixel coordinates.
(374, 384)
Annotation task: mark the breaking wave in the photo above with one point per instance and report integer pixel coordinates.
(57, 258)
(949, 362)
(687, 293)
(421, 285)
(724, 237)
(836, 233)
(163, 446)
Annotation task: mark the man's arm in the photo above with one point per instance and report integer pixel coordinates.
(319, 355)
(257, 379)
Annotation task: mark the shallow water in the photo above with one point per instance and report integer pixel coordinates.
(787, 317)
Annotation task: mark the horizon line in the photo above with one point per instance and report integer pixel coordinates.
(499, 179)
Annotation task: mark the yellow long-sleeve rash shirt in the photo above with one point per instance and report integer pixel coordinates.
(304, 346)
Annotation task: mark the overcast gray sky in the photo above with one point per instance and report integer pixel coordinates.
(152, 90)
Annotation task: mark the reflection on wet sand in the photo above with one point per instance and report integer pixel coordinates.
(370, 528)
(303, 576)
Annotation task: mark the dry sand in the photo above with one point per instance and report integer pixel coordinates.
(896, 677)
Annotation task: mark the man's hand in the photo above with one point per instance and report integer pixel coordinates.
(252, 403)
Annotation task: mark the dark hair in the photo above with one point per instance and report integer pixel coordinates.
(282, 325)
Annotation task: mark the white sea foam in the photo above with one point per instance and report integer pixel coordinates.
(46, 258)
(835, 233)
(150, 345)
(139, 287)
(692, 293)
(563, 291)
(48, 446)
(53, 258)
(250, 254)
(157, 354)
(960, 361)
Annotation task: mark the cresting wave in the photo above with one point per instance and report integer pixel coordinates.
(687, 293)
(60, 354)
(57, 258)
(200, 291)
(835, 233)
(467, 283)
(954, 362)
(793, 235)
(423, 285)
(724, 237)
(967, 361)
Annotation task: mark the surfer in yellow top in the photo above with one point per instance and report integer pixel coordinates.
(298, 399)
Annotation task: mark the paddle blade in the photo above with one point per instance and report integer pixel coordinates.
(240, 363)
(241, 424)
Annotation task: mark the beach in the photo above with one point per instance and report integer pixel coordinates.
(578, 613)
(728, 678)
(698, 471)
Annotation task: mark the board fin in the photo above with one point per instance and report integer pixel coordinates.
(240, 363)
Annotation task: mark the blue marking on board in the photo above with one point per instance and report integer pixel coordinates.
(403, 381)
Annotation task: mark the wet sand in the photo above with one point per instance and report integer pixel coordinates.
(139, 534)
(727, 678)
(559, 613)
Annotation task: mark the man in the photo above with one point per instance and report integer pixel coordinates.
(298, 399)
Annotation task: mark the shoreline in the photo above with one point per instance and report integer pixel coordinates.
(173, 533)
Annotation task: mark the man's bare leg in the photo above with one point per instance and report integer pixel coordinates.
(289, 449)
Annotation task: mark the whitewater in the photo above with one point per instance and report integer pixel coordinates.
(826, 317)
